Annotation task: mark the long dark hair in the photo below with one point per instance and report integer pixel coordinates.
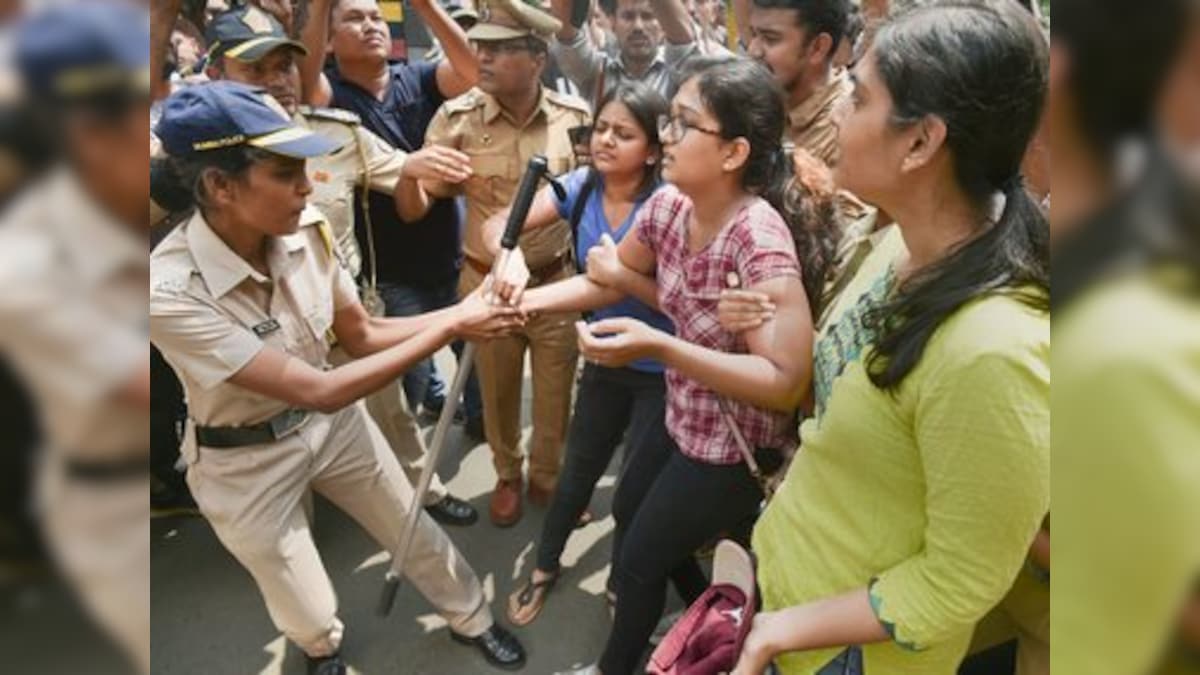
(645, 104)
(982, 69)
(1156, 219)
(748, 103)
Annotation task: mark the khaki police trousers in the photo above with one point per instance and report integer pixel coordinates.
(253, 497)
(389, 408)
(551, 342)
(99, 536)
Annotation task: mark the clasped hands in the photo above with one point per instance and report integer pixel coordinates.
(614, 342)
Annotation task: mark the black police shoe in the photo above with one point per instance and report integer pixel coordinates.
(326, 665)
(498, 646)
(453, 511)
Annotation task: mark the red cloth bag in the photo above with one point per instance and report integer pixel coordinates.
(708, 638)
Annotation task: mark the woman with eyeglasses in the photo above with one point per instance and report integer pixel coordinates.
(717, 224)
(612, 403)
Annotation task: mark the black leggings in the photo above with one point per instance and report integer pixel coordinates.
(673, 505)
(610, 401)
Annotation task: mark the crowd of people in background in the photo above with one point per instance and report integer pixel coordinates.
(807, 220)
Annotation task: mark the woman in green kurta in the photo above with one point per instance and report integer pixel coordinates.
(924, 475)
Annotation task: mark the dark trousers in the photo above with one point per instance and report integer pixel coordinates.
(611, 403)
(673, 505)
(167, 412)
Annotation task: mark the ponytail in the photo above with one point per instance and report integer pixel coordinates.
(1011, 257)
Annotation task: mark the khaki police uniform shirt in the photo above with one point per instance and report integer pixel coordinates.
(500, 147)
(811, 125)
(364, 159)
(73, 285)
(211, 312)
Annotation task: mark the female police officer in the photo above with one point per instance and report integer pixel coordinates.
(243, 297)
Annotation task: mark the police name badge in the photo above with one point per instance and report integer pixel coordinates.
(266, 328)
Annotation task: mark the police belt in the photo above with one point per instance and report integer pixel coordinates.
(107, 470)
(537, 276)
(274, 429)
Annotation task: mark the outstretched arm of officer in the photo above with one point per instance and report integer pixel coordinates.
(509, 271)
(433, 163)
(276, 374)
(312, 25)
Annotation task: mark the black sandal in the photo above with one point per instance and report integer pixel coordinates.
(532, 594)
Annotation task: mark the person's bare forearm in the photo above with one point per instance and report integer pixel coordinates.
(749, 378)
(312, 27)
(577, 294)
(562, 10)
(640, 286)
(381, 333)
(163, 14)
(412, 201)
(455, 45)
(675, 21)
(839, 621)
(346, 384)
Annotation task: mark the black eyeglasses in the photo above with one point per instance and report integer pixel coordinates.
(671, 128)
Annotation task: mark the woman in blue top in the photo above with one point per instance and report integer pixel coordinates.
(611, 402)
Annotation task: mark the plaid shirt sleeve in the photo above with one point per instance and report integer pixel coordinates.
(655, 215)
(767, 248)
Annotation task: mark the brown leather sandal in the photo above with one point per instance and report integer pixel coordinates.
(525, 603)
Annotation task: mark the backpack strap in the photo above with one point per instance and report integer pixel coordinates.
(585, 193)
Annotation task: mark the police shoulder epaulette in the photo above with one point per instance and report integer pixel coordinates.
(312, 217)
(331, 114)
(568, 101)
(468, 101)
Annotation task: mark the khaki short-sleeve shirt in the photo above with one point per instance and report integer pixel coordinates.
(211, 313)
(500, 147)
(812, 125)
(72, 317)
(364, 159)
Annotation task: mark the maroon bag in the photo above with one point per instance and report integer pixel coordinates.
(708, 638)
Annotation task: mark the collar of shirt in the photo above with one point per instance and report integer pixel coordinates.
(659, 62)
(97, 245)
(223, 269)
(492, 109)
(805, 114)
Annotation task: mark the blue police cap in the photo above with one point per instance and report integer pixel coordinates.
(225, 114)
(85, 49)
(247, 33)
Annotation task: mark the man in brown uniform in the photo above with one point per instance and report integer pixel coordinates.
(500, 124)
(796, 40)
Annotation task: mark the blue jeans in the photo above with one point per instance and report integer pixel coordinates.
(422, 383)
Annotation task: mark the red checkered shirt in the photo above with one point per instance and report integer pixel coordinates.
(757, 246)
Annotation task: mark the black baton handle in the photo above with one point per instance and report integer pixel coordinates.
(534, 172)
